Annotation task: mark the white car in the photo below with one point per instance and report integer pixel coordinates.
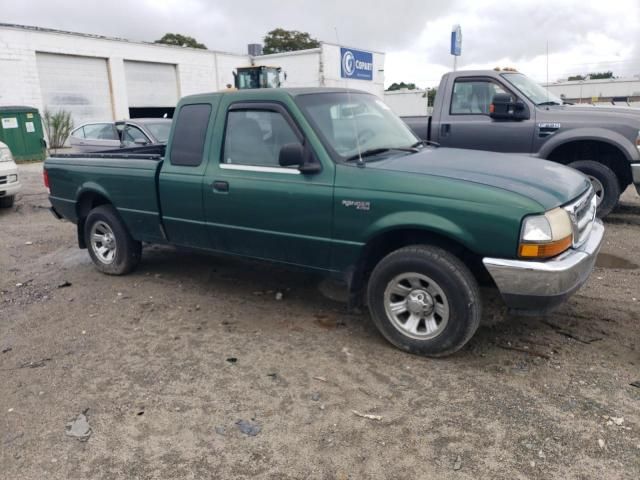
(9, 181)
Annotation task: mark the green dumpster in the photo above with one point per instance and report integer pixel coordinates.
(21, 130)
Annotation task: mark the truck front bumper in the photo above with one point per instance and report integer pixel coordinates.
(539, 286)
(635, 172)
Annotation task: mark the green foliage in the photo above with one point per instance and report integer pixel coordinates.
(600, 75)
(281, 40)
(399, 86)
(58, 126)
(431, 96)
(180, 41)
(574, 78)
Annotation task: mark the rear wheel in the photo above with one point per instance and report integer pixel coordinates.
(7, 202)
(605, 184)
(424, 300)
(110, 245)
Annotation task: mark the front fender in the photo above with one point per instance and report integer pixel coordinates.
(594, 134)
(420, 220)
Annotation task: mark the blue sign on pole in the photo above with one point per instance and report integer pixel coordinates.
(356, 64)
(456, 40)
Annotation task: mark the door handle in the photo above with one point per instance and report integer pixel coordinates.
(445, 129)
(220, 186)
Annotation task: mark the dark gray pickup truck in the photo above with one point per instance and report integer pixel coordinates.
(505, 111)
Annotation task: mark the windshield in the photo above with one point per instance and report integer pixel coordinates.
(533, 91)
(352, 123)
(160, 131)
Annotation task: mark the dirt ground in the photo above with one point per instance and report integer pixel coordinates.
(166, 361)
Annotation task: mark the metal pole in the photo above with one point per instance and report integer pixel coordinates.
(455, 62)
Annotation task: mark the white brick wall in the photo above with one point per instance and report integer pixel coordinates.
(197, 71)
(20, 84)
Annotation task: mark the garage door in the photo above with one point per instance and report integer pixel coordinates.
(77, 84)
(151, 84)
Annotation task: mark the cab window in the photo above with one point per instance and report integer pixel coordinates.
(473, 97)
(255, 137)
(190, 132)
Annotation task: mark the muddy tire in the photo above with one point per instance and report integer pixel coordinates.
(605, 183)
(7, 202)
(424, 300)
(110, 245)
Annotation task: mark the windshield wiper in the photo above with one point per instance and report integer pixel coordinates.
(550, 102)
(376, 151)
(425, 143)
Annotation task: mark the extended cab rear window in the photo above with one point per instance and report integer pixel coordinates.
(187, 144)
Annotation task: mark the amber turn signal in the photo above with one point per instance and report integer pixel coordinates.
(544, 250)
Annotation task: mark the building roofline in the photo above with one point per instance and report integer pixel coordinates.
(352, 48)
(594, 81)
(36, 29)
(286, 54)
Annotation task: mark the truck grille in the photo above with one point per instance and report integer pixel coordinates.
(3, 180)
(582, 212)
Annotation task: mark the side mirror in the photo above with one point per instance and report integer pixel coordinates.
(294, 154)
(291, 154)
(504, 108)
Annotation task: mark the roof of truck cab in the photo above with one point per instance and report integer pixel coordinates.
(267, 93)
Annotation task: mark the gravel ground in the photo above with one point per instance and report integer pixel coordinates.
(192, 368)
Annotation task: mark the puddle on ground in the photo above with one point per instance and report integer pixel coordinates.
(606, 260)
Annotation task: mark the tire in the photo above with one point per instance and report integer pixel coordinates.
(604, 181)
(7, 202)
(452, 302)
(116, 253)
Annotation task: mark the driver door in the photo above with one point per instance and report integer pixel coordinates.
(256, 208)
(466, 122)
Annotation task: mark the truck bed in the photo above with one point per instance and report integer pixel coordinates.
(421, 125)
(126, 180)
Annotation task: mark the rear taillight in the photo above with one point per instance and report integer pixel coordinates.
(45, 177)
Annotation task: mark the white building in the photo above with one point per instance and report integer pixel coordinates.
(408, 102)
(99, 78)
(617, 90)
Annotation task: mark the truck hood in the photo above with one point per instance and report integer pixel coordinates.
(544, 182)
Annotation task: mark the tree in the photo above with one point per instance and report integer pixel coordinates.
(281, 40)
(431, 96)
(574, 78)
(180, 41)
(399, 86)
(600, 75)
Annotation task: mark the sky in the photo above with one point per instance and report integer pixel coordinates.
(580, 36)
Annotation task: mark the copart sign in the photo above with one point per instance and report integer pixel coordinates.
(356, 64)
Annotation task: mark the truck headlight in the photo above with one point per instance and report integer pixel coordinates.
(544, 236)
(5, 155)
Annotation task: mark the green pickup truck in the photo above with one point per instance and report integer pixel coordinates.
(331, 180)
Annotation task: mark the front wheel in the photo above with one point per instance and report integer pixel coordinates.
(110, 244)
(605, 184)
(424, 300)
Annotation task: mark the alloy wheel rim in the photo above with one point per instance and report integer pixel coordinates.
(416, 305)
(598, 189)
(103, 242)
